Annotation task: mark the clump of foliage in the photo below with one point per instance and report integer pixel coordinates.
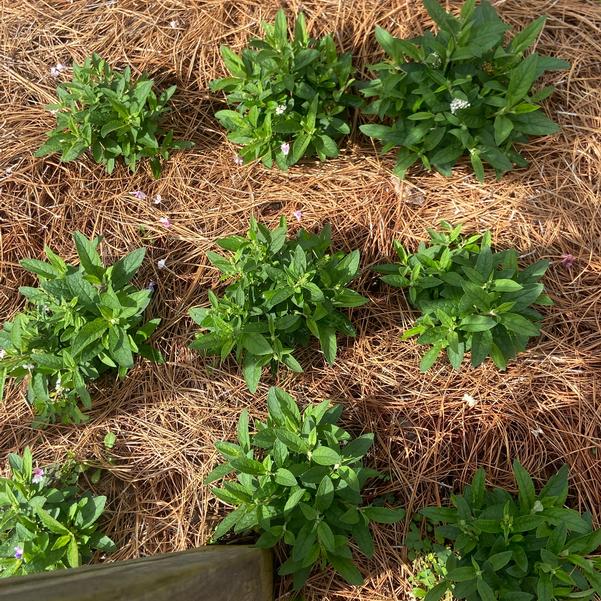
(46, 525)
(298, 481)
(470, 298)
(283, 291)
(461, 91)
(508, 548)
(112, 115)
(81, 320)
(291, 96)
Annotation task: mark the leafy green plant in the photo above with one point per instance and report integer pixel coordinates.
(112, 115)
(291, 96)
(298, 482)
(516, 549)
(283, 291)
(461, 91)
(46, 525)
(81, 320)
(470, 298)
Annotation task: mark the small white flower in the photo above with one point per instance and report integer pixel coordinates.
(165, 222)
(161, 263)
(280, 109)
(285, 148)
(57, 69)
(28, 366)
(537, 507)
(537, 432)
(298, 215)
(2, 353)
(138, 194)
(238, 160)
(470, 400)
(173, 24)
(458, 104)
(157, 199)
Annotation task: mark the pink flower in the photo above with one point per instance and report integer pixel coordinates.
(18, 552)
(285, 148)
(38, 475)
(298, 215)
(165, 222)
(568, 260)
(238, 160)
(138, 194)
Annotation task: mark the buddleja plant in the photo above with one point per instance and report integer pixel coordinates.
(283, 291)
(81, 320)
(298, 482)
(470, 298)
(461, 91)
(113, 115)
(46, 525)
(516, 549)
(291, 96)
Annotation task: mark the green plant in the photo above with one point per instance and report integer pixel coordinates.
(283, 292)
(291, 96)
(81, 320)
(516, 549)
(470, 298)
(461, 91)
(299, 481)
(46, 525)
(112, 115)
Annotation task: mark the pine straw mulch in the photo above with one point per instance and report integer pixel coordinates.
(545, 409)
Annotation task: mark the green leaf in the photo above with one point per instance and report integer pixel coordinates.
(50, 523)
(383, 515)
(325, 456)
(88, 334)
(326, 537)
(503, 285)
(325, 494)
(73, 553)
(429, 359)
(251, 370)
(327, 339)
(285, 477)
(519, 324)
(527, 494)
(125, 269)
(257, 344)
(521, 79)
(347, 569)
(477, 323)
(503, 127)
(486, 593)
(89, 257)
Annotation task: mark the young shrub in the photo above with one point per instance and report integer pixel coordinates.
(298, 482)
(461, 91)
(46, 525)
(112, 115)
(81, 321)
(290, 96)
(282, 293)
(525, 548)
(470, 298)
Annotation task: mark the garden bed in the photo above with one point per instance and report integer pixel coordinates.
(431, 430)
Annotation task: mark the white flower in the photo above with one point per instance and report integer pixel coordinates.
(470, 400)
(2, 353)
(165, 222)
(298, 215)
(173, 24)
(285, 148)
(28, 366)
(157, 199)
(458, 104)
(57, 69)
(280, 109)
(537, 432)
(161, 263)
(238, 160)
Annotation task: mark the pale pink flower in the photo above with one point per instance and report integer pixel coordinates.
(285, 148)
(57, 69)
(157, 199)
(161, 263)
(165, 222)
(238, 160)
(38, 475)
(138, 194)
(298, 215)
(18, 552)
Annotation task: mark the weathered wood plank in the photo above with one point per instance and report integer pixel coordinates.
(212, 573)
